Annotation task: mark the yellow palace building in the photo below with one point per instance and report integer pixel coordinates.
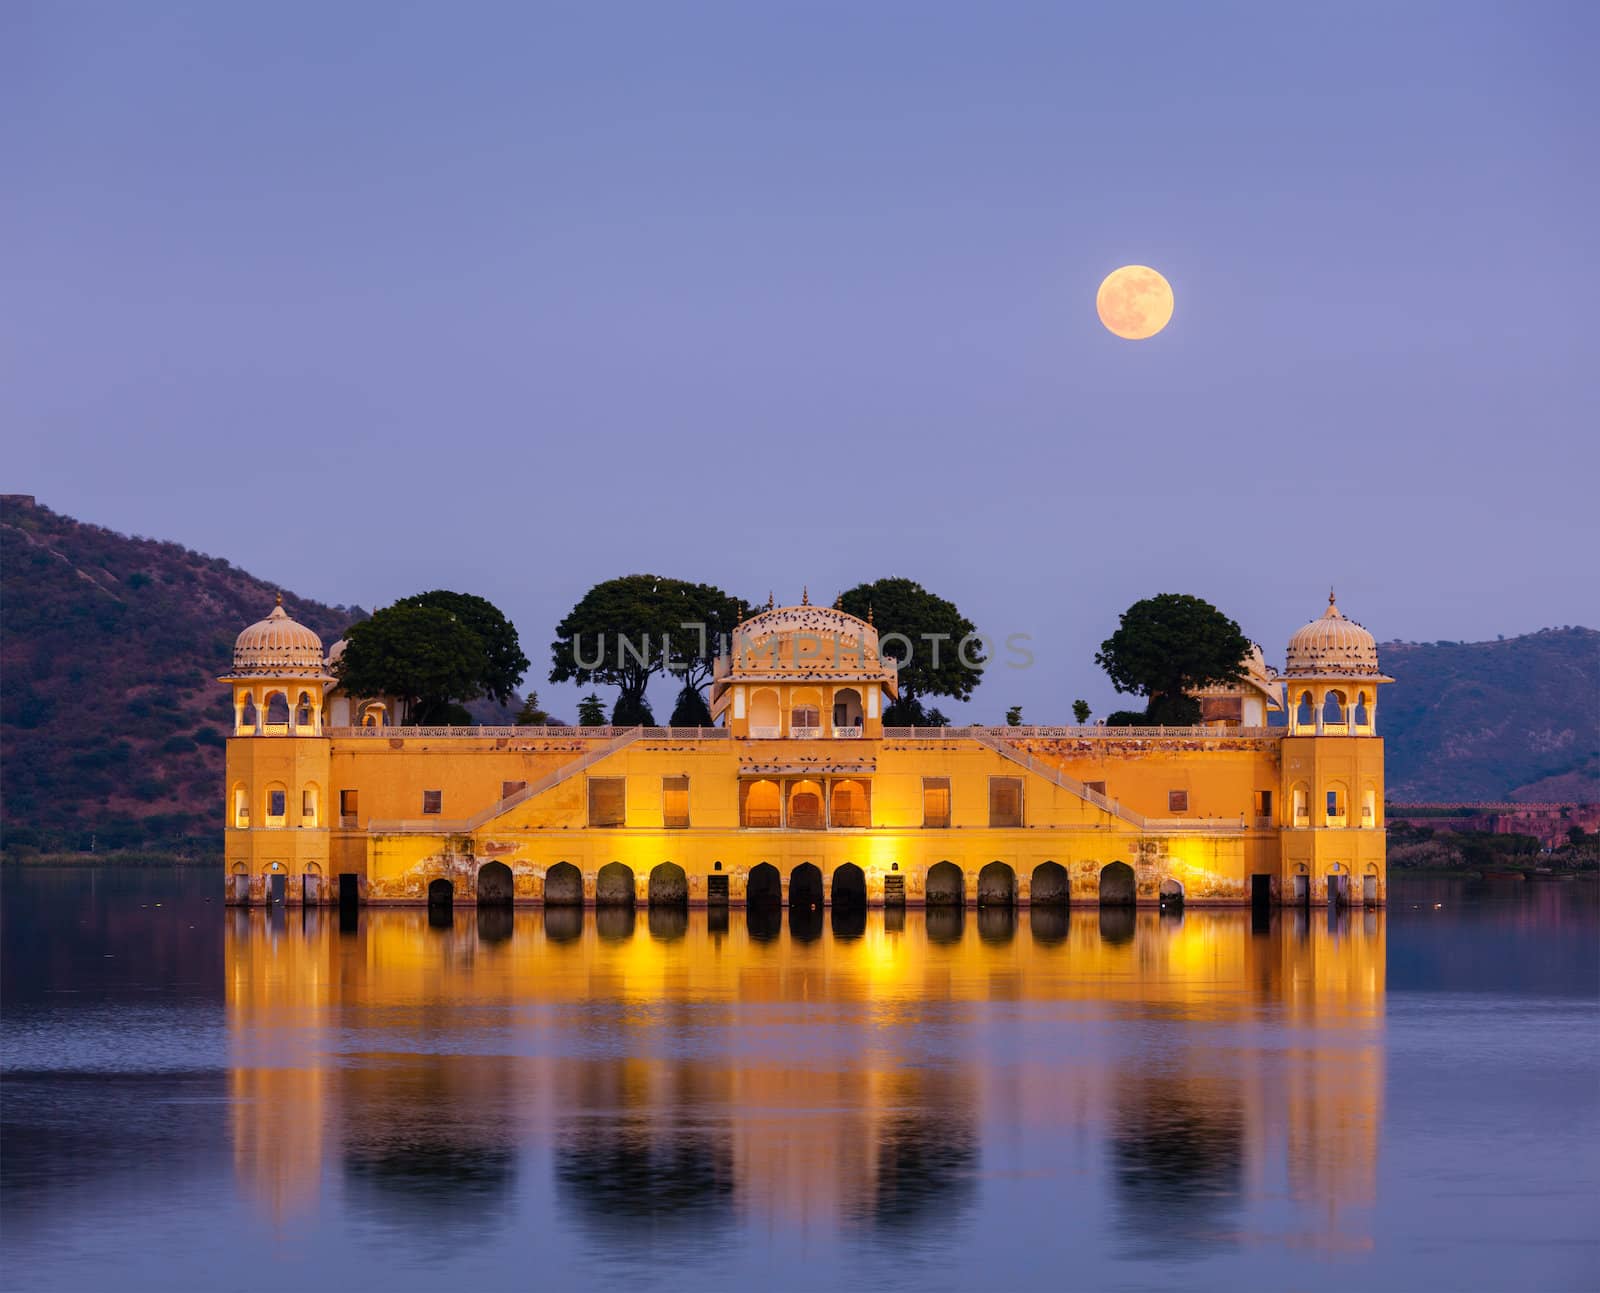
(800, 794)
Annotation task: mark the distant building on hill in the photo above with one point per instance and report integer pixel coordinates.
(1548, 823)
(801, 795)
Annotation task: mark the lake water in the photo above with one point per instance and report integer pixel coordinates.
(195, 1097)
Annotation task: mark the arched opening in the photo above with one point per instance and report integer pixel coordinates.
(1048, 923)
(805, 806)
(846, 710)
(1369, 886)
(805, 712)
(997, 886)
(1117, 888)
(614, 886)
(441, 893)
(563, 886)
(763, 805)
(495, 885)
(1369, 806)
(848, 804)
(1333, 709)
(765, 720)
(945, 886)
(1049, 886)
(276, 805)
(303, 716)
(248, 714)
(1300, 804)
(669, 886)
(1338, 804)
(764, 886)
(240, 882)
(374, 714)
(311, 883)
(277, 714)
(241, 806)
(311, 804)
(1304, 715)
(614, 924)
(1171, 894)
(849, 888)
(1362, 716)
(805, 887)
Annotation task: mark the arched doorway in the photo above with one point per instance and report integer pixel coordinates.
(1049, 886)
(764, 887)
(997, 886)
(563, 886)
(945, 886)
(495, 885)
(805, 887)
(669, 886)
(805, 807)
(1171, 895)
(849, 887)
(441, 897)
(311, 885)
(613, 886)
(1117, 888)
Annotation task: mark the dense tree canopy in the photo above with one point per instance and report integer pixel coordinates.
(934, 644)
(424, 657)
(625, 631)
(1166, 646)
(503, 653)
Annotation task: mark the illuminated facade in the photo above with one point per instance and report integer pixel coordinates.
(801, 795)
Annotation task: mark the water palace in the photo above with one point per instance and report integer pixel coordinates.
(801, 795)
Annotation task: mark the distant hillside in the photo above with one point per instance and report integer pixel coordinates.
(1516, 719)
(111, 720)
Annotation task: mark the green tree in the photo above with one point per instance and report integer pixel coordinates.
(531, 715)
(1014, 716)
(936, 647)
(1080, 712)
(691, 709)
(625, 631)
(505, 662)
(1164, 647)
(424, 657)
(591, 711)
(936, 718)
(630, 711)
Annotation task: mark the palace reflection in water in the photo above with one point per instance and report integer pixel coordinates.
(689, 1072)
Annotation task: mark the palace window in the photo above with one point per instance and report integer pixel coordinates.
(277, 806)
(608, 801)
(1369, 807)
(1177, 801)
(1005, 801)
(763, 805)
(1263, 803)
(1302, 806)
(675, 802)
(847, 805)
(936, 802)
(308, 806)
(348, 802)
(1336, 806)
(432, 802)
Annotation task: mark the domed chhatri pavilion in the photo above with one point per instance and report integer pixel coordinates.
(801, 795)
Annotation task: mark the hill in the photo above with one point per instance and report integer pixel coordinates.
(111, 719)
(1517, 719)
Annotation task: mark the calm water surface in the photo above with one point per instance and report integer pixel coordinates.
(201, 1098)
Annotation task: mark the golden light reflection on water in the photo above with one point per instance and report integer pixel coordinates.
(816, 1071)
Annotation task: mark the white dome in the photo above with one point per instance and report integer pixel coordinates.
(278, 647)
(1332, 646)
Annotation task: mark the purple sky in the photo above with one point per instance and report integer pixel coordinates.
(371, 299)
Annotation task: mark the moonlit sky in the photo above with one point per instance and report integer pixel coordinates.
(372, 298)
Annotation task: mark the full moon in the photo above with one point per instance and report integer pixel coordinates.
(1134, 302)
